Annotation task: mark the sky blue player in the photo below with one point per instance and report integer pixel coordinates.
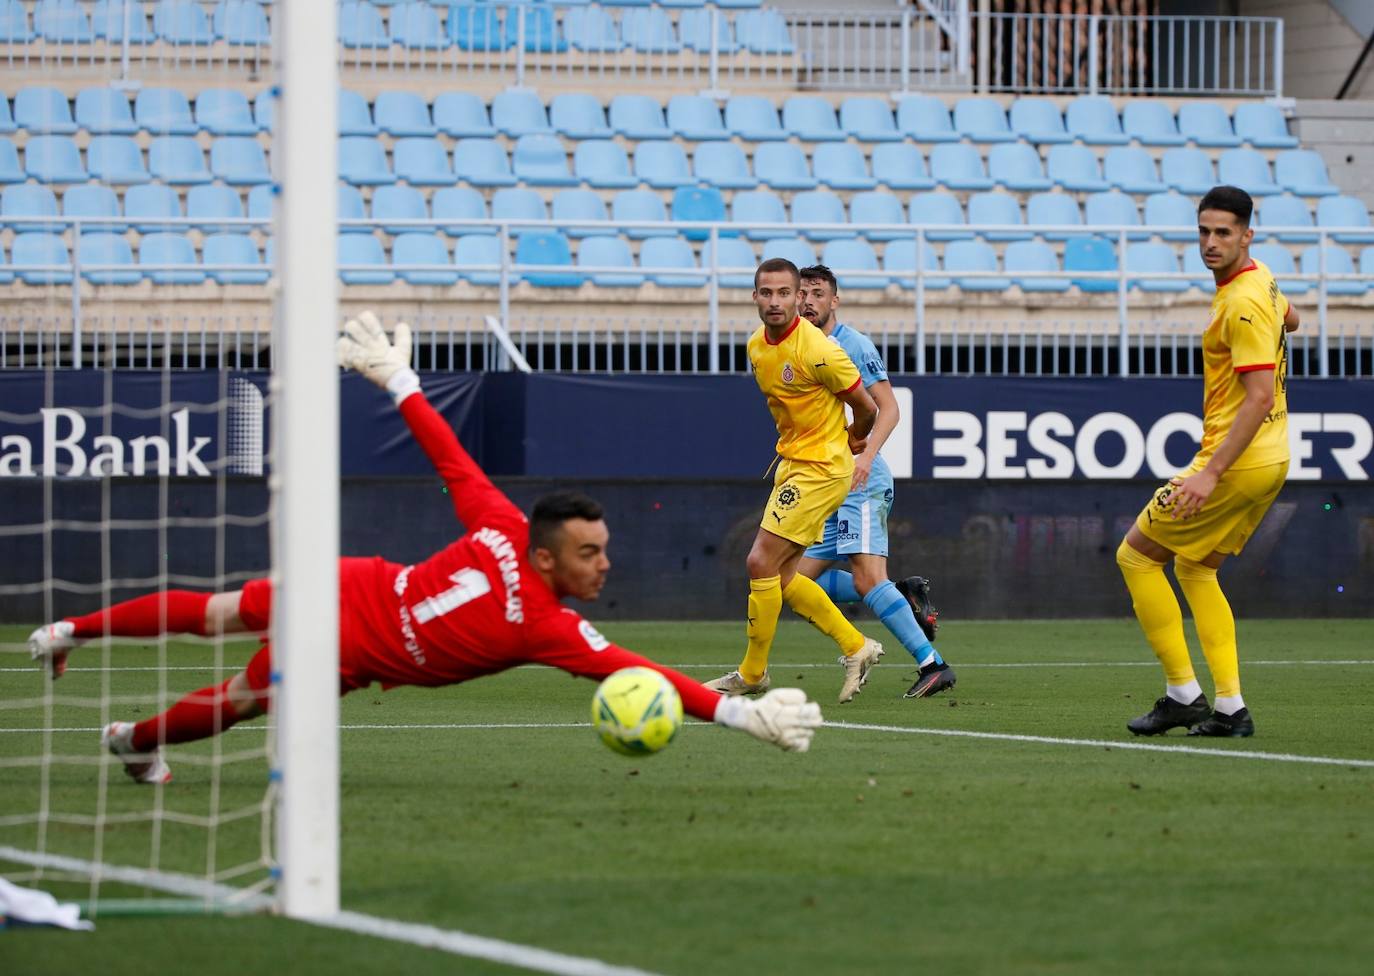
(858, 531)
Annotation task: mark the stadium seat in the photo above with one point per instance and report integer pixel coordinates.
(1150, 256)
(899, 166)
(1038, 120)
(699, 204)
(362, 161)
(1112, 209)
(579, 116)
(10, 170)
(182, 22)
(868, 119)
(660, 253)
(1053, 209)
(547, 248)
(694, 30)
(815, 207)
(417, 26)
(751, 208)
(221, 252)
(14, 23)
(1303, 172)
(1021, 257)
(982, 120)
(841, 166)
(1090, 254)
(811, 119)
(996, 208)
(638, 117)
(477, 29)
(753, 118)
(148, 206)
(422, 161)
(1206, 124)
(1338, 262)
(663, 165)
(518, 204)
(108, 23)
(899, 260)
(1132, 169)
(603, 163)
(115, 159)
(722, 164)
(421, 247)
(731, 252)
(355, 117)
(609, 252)
(107, 259)
(349, 203)
(782, 165)
(1093, 119)
(265, 110)
(1263, 126)
(1017, 166)
(847, 256)
(221, 112)
(242, 22)
(362, 260)
(239, 160)
(210, 203)
(1200, 276)
(649, 31)
(27, 200)
(1284, 211)
(695, 117)
(157, 251)
(462, 115)
(630, 206)
(471, 252)
(541, 29)
(1075, 168)
(43, 110)
(101, 111)
(975, 256)
(1171, 210)
(360, 25)
(592, 29)
(164, 112)
(1248, 170)
(764, 32)
(92, 200)
(459, 203)
(32, 250)
(541, 160)
(1188, 171)
(54, 159)
(482, 162)
(878, 207)
(1277, 258)
(1366, 262)
(519, 113)
(403, 113)
(937, 207)
(737, 4)
(793, 248)
(572, 205)
(958, 166)
(1151, 123)
(393, 203)
(1343, 211)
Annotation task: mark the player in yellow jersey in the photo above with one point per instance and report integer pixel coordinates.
(807, 379)
(1208, 511)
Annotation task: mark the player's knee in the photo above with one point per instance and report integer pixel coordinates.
(1189, 569)
(866, 578)
(247, 701)
(1131, 559)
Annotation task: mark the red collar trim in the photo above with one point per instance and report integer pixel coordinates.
(783, 338)
(1248, 267)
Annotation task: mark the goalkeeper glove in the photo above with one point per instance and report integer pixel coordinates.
(783, 717)
(385, 362)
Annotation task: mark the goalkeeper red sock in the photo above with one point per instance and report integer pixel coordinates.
(168, 612)
(199, 715)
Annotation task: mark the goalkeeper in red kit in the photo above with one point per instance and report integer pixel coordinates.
(487, 602)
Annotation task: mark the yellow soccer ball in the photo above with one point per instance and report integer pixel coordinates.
(636, 711)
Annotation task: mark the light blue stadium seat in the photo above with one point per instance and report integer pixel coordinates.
(416, 26)
(811, 119)
(482, 162)
(472, 251)
(899, 166)
(732, 252)
(54, 159)
(1053, 209)
(937, 207)
(579, 116)
(1343, 211)
(547, 248)
(459, 203)
(1150, 256)
(782, 165)
(1171, 210)
(815, 207)
(1303, 172)
(541, 160)
(603, 163)
(395, 203)
(1248, 170)
(638, 117)
(462, 115)
(10, 170)
(670, 252)
(1038, 120)
(694, 30)
(973, 256)
(722, 164)
(40, 109)
(169, 249)
(626, 3)
(868, 119)
(1200, 276)
(841, 166)
(221, 252)
(764, 32)
(696, 118)
(23, 201)
(1093, 119)
(982, 120)
(878, 207)
(609, 252)
(223, 111)
(164, 112)
(541, 29)
(663, 165)
(107, 259)
(992, 208)
(422, 162)
(1277, 258)
(14, 23)
(640, 205)
(1132, 169)
(211, 203)
(899, 260)
(265, 110)
(649, 31)
(477, 29)
(519, 113)
(847, 256)
(1090, 254)
(148, 206)
(1075, 168)
(569, 205)
(242, 22)
(958, 166)
(1112, 208)
(1263, 126)
(360, 25)
(115, 159)
(62, 23)
(1188, 171)
(1283, 211)
(402, 113)
(108, 22)
(362, 260)
(1366, 262)
(738, 4)
(592, 29)
(362, 161)
(699, 204)
(1151, 123)
(1206, 124)
(753, 118)
(1021, 257)
(792, 248)
(355, 117)
(182, 22)
(349, 203)
(239, 160)
(750, 208)
(1338, 262)
(1017, 166)
(92, 200)
(518, 204)
(421, 247)
(31, 250)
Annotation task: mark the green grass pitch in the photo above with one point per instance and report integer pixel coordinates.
(879, 851)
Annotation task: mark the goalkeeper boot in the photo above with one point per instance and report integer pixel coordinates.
(933, 679)
(916, 589)
(142, 767)
(1169, 714)
(50, 644)
(1219, 725)
(856, 667)
(734, 684)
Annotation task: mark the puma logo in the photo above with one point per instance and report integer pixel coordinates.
(1244, 319)
(777, 516)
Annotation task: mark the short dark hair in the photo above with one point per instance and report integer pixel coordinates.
(551, 511)
(779, 264)
(1232, 199)
(819, 272)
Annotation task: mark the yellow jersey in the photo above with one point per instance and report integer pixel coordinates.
(801, 375)
(1246, 333)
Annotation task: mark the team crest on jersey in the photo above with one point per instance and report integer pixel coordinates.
(788, 496)
(592, 636)
(788, 375)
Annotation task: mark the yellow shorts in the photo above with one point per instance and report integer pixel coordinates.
(805, 494)
(1232, 513)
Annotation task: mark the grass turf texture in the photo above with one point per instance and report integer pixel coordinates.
(876, 851)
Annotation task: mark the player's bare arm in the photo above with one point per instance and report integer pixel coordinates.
(865, 415)
(1192, 492)
(1291, 321)
(883, 426)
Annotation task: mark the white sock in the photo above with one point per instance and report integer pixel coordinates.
(1229, 704)
(1184, 694)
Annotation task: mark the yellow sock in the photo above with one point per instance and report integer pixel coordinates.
(809, 600)
(1158, 611)
(765, 604)
(1216, 626)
